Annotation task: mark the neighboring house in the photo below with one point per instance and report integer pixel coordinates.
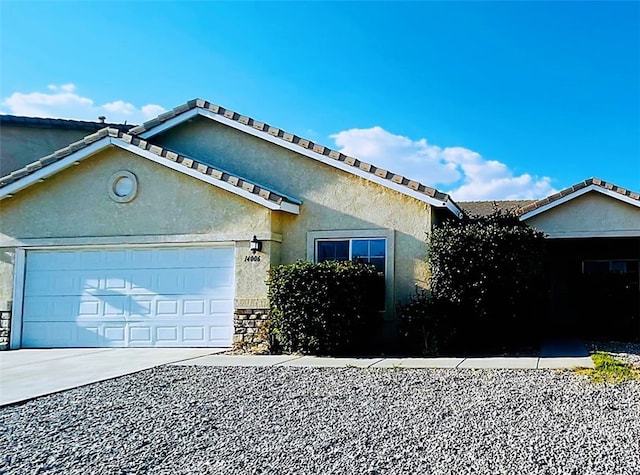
(143, 238)
(593, 238)
(26, 139)
(163, 234)
(593, 231)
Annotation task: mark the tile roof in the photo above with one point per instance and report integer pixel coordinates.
(205, 169)
(40, 122)
(485, 208)
(577, 187)
(293, 139)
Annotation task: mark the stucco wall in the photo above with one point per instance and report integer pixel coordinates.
(6, 275)
(588, 215)
(75, 203)
(23, 145)
(332, 199)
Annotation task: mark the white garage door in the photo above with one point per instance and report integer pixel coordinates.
(129, 298)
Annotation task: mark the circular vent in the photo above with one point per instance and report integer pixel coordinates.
(123, 186)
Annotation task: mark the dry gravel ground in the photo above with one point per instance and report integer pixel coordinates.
(318, 420)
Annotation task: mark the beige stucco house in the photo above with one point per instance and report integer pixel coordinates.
(163, 234)
(143, 237)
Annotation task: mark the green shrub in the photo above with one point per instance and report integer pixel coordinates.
(487, 287)
(488, 275)
(326, 308)
(423, 326)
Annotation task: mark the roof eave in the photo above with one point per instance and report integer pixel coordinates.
(10, 189)
(47, 170)
(191, 113)
(576, 194)
(283, 205)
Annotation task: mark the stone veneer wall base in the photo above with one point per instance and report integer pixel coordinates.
(5, 325)
(247, 323)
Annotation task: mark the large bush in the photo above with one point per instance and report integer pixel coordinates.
(424, 327)
(487, 281)
(326, 308)
(489, 273)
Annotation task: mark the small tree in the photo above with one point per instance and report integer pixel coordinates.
(325, 308)
(488, 273)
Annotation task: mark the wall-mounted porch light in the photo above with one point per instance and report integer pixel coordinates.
(255, 245)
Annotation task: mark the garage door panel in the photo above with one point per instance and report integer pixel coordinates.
(140, 306)
(116, 282)
(221, 258)
(116, 259)
(219, 277)
(113, 335)
(194, 334)
(221, 293)
(143, 259)
(89, 309)
(115, 303)
(165, 307)
(48, 308)
(195, 258)
(169, 282)
(192, 307)
(143, 281)
(167, 334)
(48, 335)
(221, 333)
(220, 306)
(140, 335)
(65, 334)
(52, 283)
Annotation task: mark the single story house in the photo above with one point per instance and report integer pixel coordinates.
(163, 234)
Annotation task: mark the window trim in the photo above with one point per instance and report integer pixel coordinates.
(388, 234)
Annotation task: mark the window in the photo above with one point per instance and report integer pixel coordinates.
(610, 267)
(372, 246)
(368, 251)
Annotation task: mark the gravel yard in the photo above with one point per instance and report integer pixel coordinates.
(312, 420)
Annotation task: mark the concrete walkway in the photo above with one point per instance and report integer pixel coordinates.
(26, 374)
(554, 354)
(526, 362)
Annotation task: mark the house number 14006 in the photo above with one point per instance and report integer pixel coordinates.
(252, 258)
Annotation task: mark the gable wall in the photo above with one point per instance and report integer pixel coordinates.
(75, 203)
(332, 199)
(590, 214)
(169, 207)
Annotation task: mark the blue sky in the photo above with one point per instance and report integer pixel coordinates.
(485, 100)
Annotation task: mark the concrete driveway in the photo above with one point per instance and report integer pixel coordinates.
(25, 374)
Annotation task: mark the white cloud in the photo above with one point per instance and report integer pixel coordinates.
(464, 173)
(152, 110)
(64, 102)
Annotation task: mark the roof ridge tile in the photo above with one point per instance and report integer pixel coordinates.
(187, 162)
(294, 139)
(578, 186)
(131, 136)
